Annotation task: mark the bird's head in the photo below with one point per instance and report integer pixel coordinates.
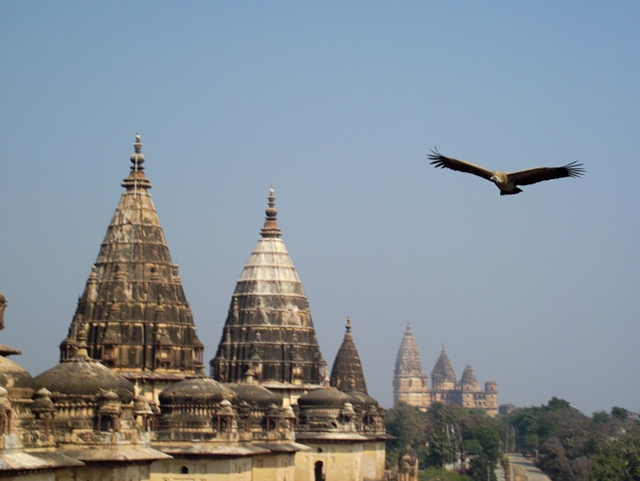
(494, 179)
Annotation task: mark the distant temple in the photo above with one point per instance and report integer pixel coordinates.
(129, 399)
(410, 385)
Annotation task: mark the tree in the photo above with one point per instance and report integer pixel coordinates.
(600, 417)
(439, 449)
(443, 433)
(440, 474)
(577, 448)
(620, 413)
(619, 460)
(525, 422)
(553, 460)
(557, 404)
(408, 425)
(486, 442)
(440, 414)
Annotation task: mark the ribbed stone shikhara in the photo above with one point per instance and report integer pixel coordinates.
(443, 377)
(408, 359)
(347, 373)
(133, 308)
(83, 419)
(468, 379)
(410, 385)
(269, 336)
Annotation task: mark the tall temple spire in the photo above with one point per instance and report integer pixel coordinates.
(347, 373)
(410, 385)
(408, 358)
(133, 308)
(443, 376)
(269, 304)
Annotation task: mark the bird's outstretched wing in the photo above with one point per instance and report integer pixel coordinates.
(539, 174)
(443, 162)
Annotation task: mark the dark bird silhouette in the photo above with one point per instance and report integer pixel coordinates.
(507, 182)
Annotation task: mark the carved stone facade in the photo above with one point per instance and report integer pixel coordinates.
(410, 384)
(347, 374)
(129, 399)
(133, 308)
(342, 424)
(268, 335)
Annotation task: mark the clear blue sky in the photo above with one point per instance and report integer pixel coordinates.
(338, 104)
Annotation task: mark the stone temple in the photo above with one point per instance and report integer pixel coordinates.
(130, 399)
(410, 385)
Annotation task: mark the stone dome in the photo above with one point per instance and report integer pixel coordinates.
(254, 395)
(324, 397)
(197, 390)
(82, 376)
(12, 375)
(361, 399)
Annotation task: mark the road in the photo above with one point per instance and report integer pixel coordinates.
(533, 473)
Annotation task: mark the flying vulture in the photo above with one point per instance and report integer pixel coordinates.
(507, 182)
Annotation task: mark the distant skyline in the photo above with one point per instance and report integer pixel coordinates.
(338, 104)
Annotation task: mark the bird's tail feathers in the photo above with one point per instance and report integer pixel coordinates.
(515, 190)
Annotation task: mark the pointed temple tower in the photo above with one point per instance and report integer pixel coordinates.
(409, 383)
(133, 309)
(347, 374)
(129, 400)
(475, 398)
(268, 337)
(443, 381)
(468, 380)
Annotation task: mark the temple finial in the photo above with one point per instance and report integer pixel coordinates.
(136, 179)
(82, 344)
(137, 159)
(271, 228)
(348, 324)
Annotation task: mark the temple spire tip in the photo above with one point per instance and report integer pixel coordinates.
(271, 228)
(137, 159)
(136, 179)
